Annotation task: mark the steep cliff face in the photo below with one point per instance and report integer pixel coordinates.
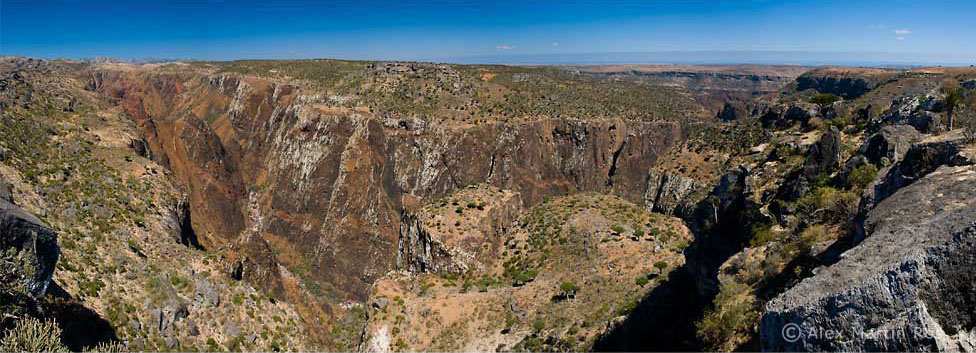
(294, 180)
(713, 87)
(907, 287)
(831, 81)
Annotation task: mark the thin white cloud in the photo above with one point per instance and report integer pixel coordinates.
(505, 47)
(903, 31)
(900, 38)
(555, 44)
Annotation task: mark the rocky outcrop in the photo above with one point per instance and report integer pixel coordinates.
(920, 160)
(822, 158)
(35, 246)
(780, 117)
(823, 155)
(847, 87)
(881, 149)
(889, 144)
(722, 223)
(730, 112)
(418, 252)
(669, 193)
(909, 111)
(907, 287)
(471, 234)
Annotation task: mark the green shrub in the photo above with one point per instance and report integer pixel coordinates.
(862, 176)
(811, 236)
(538, 325)
(617, 229)
(828, 205)
(762, 237)
(641, 280)
(212, 345)
(731, 320)
(32, 335)
(525, 276)
(108, 347)
(238, 299)
(824, 99)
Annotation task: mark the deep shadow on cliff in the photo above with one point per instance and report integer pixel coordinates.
(663, 321)
(82, 327)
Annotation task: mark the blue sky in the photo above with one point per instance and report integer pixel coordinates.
(473, 31)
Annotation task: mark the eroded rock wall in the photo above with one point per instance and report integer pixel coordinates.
(327, 182)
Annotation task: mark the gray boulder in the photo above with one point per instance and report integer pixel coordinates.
(381, 303)
(35, 244)
(823, 155)
(971, 84)
(231, 329)
(797, 113)
(889, 143)
(907, 287)
(6, 191)
(206, 293)
(882, 149)
(932, 104)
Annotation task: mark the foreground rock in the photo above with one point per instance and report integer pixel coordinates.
(907, 287)
(35, 245)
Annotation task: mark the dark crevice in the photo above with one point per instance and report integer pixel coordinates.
(188, 236)
(613, 163)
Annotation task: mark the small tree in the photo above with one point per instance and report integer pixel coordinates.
(953, 97)
(660, 266)
(641, 280)
(569, 289)
(823, 100)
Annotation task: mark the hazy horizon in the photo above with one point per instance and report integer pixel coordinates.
(867, 33)
(786, 58)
